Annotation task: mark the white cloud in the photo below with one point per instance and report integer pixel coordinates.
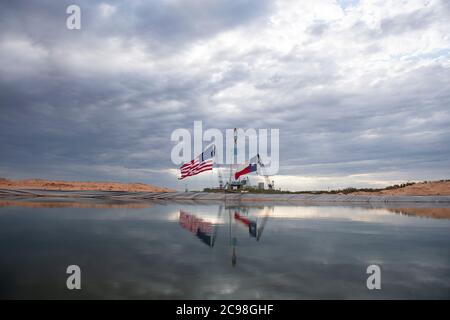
(21, 58)
(106, 10)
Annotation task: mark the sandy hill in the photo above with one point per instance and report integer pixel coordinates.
(79, 185)
(429, 188)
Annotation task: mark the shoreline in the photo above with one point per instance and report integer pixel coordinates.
(205, 196)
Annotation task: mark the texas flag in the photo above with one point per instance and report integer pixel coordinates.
(246, 170)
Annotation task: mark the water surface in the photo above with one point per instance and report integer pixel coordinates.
(222, 251)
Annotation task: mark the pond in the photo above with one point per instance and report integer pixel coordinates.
(215, 250)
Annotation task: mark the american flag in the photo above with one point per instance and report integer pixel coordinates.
(195, 167)
(200, 164)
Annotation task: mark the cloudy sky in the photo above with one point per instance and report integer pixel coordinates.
(360, 90)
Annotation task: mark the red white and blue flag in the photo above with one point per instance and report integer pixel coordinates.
(248, 169)
(202, 163)
(201, 229)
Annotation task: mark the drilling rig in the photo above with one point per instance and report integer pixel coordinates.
(268, 182)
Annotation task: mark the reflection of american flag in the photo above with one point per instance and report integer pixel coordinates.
(195, 167)
(194, 224)
(200, 228)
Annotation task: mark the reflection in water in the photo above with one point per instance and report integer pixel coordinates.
(255, 229)
(207, 231)
(436, 213)
(75, 204)
(204, 250)
(200, 228)
(250, 224)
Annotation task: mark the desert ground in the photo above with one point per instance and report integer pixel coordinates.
(430, 188)
(78, 185)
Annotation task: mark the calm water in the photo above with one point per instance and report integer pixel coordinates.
(198, 251)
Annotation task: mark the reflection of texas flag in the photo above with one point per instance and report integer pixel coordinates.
(248, 169)
(251, 224)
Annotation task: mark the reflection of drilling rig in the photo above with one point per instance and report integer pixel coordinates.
(206, 229)
(255, 227)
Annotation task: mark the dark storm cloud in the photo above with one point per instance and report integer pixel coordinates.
(163, 24)
(57, 117)
(101, 102)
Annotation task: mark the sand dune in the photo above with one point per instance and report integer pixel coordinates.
(79, 185)
(432, 188)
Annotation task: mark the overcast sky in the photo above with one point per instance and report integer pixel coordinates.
(360, 90)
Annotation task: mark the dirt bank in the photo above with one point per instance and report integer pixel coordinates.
(433, 188)
(79, 185)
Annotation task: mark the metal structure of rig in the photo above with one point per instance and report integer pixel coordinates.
(244, 183)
